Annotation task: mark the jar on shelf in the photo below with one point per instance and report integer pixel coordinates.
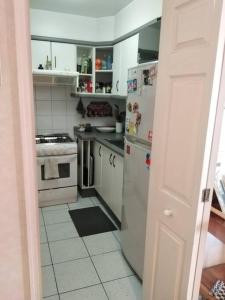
(98, 64)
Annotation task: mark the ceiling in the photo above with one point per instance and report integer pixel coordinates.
(89, 8)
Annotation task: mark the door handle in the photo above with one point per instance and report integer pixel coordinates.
(55, 61)
(117, 86)
(168, 213)
(113, 162)
(99, 151)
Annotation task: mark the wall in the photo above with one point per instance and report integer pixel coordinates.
(56, 111)
(136, 14)
(61, 25)
(215, 252)
(68, 26)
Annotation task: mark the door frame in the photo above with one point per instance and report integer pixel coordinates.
(20, 83)
(212, 162)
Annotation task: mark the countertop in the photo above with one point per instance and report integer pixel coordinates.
(102, 138)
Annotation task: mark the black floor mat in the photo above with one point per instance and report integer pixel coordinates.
(91, 220)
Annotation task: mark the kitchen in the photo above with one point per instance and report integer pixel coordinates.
(182, 172)
(82, 114)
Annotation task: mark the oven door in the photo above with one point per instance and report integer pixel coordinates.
(67, 171)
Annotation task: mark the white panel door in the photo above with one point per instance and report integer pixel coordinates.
(184, 106)
(40, 51)
(98, 153)
(129, 56)
(63, 57)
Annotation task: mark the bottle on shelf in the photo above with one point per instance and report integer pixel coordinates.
(84, 64)
(89, 67)
(109, 62)
(98, 64)
(104, 63)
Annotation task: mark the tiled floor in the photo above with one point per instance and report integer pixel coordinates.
(88, 268)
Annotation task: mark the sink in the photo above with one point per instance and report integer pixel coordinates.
(118, 143)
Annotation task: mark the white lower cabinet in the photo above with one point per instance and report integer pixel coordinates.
(109, 177)
(98, 154)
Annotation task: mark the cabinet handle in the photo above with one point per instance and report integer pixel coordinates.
(110, 159)
(113, 162)
(117, 86)
(55, 61)
(99, 151)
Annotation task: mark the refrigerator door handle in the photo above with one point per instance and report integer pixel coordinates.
(99, 151)
(113, 162)
(110, 159)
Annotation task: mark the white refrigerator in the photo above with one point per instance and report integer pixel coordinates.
(137, 163)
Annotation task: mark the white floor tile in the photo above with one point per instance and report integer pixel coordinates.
(56, 232)
(75, 274)
(55, 207)
(45, 255)
(65, 250)
(43, 236)
(91, 293)
(101, 243)
(81, 203)
(48, 282)
(111, 266)
(95, 201)
(128, 288)
(56, 216)
(117, 234)
(56, 297)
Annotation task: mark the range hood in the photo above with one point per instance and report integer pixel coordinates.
(54, 77)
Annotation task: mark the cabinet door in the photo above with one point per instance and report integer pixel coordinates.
(98, 154)
(63, 57)
(117, 188)
(40, 51)
(116, 69)
(107, 176)
(129, 57)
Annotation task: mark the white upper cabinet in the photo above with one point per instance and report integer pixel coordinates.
(40, 51)
(63, 57)
(129, 57)
(125, 57)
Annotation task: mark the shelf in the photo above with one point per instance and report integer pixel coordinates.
(217, 227)
(99, 96)
(209, 277)
(83, 74)
(104, 71)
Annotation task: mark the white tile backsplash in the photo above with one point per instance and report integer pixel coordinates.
(43, 107)
(59, 107)
(56, 111)
(59, 93)
(59, 122)
(43, 93)
(44, 122)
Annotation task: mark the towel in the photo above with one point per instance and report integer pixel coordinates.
(51, 168)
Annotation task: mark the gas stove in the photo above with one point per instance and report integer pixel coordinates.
(53, 138)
